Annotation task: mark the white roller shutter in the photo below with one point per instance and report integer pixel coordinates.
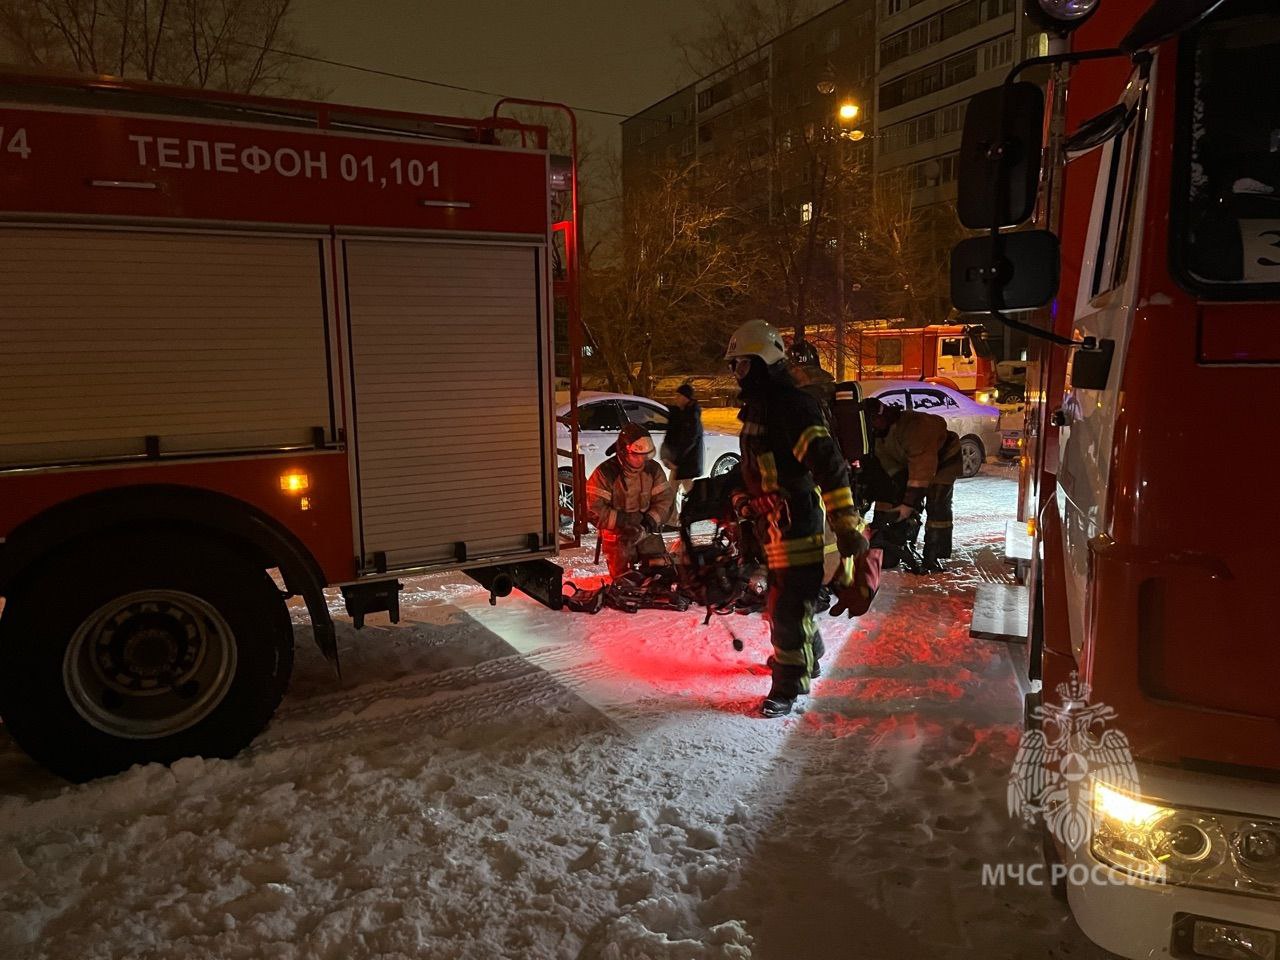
(445, 344)
(208, 343)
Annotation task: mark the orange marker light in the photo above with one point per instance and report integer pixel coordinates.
(295, 481)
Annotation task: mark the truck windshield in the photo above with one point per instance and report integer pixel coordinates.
(1226, 203)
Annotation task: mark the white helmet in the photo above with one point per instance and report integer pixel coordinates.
(756, 338)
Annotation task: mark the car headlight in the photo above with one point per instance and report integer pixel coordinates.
(1189, 847)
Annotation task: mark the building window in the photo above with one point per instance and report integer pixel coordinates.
(806, 212)
(953, 117)
(998, 53)
(893, 6)
(832, 40)
(950, 168)
(705, 133)
(959, 69)
(894, 48)
(888, 351)
(704, 99)
(686, 148)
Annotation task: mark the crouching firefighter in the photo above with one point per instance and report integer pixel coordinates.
(628, 496)
(787, 455)
(921, 460)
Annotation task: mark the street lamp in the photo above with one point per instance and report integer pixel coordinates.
(846, 113)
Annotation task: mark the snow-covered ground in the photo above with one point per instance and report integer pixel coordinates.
(512, 782)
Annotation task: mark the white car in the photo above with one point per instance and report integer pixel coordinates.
(977, 424)
(601, 416)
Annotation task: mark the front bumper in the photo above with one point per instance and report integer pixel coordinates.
(1138, 919)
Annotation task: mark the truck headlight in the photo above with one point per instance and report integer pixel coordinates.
(1210, 849)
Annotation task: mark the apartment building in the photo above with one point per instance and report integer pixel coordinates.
(931, 56)
(765, 105)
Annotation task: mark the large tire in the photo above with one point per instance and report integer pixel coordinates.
(141, 648)
(972, 456)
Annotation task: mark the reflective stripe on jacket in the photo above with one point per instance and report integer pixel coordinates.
(611, 491)
(787, 449)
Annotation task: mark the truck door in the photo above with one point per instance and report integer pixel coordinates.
(452, 424)
(956, 361)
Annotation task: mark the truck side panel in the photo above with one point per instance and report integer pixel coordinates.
(448, 368)
(202, 342)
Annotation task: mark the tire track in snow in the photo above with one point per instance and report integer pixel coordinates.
(469, 704)
(486, 671)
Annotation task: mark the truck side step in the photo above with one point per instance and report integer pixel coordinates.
(1017, 548)
(1017, 542)
(1000, 612)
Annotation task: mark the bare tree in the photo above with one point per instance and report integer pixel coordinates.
(901, 252)
(225, 44)
(669, 292)
(733, 29)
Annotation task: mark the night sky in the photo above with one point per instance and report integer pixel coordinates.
(602, 54)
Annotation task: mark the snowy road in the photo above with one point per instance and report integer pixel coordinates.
(512, 782)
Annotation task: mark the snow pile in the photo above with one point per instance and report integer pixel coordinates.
(515, 782)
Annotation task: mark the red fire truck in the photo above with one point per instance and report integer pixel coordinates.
(244, 334)
(942, 352)
(1150, 447)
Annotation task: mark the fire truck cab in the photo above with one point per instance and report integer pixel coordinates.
(1150, 445)
(243, 335)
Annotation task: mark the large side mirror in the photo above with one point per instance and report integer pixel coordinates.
(1000, 156)
(1010, 271)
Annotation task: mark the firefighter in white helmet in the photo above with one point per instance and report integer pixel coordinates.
(792, 470)
(628, 496)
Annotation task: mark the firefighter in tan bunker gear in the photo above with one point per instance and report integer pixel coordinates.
(922, 460)
(792, 470)
(628, 496)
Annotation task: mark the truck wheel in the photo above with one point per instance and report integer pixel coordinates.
(972, 456)
(141, 649)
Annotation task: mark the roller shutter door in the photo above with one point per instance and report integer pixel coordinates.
(208, 343)
(445, 344)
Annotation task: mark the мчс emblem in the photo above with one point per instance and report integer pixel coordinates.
(1059, 762)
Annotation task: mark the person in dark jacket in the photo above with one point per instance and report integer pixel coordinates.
(792, 471)
(806, 370)
(682, 450)
(628, 496)
(921, 459)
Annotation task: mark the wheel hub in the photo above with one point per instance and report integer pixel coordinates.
(148, 646)
(149, 664)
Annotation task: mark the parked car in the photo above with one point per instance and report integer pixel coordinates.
(601, 416)
(977, 424)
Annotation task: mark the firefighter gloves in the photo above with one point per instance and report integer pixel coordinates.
(849, 538)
